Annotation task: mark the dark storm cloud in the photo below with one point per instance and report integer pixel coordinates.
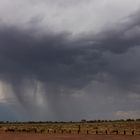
(65, 65)
(59, 61)
(52, 58)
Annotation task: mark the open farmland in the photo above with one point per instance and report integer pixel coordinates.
(98, 128)
(126, 130)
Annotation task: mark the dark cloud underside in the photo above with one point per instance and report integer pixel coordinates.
(66, 66)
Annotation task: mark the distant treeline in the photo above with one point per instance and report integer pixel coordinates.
(100, 121)
(82, 121)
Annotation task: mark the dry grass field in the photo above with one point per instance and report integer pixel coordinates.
(126, 130)
(98, 128)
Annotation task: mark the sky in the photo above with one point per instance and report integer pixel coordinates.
(63, 60)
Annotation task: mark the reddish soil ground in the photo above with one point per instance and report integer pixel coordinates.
(17, 136)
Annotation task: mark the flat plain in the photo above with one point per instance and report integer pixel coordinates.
(126, 130)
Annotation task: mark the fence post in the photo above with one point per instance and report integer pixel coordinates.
(133, 132)
(117, 132)
(96, 131)
(79, 128)
(124, 132)
(106, 132)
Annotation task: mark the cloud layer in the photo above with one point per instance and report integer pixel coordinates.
(59, 15)
(59, 74)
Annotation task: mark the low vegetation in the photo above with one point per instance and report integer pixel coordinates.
(117, 127)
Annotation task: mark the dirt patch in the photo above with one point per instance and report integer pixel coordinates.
(17, 136)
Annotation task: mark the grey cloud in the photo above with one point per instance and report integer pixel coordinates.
(65, 66)
(50, 59)
(61, 15)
